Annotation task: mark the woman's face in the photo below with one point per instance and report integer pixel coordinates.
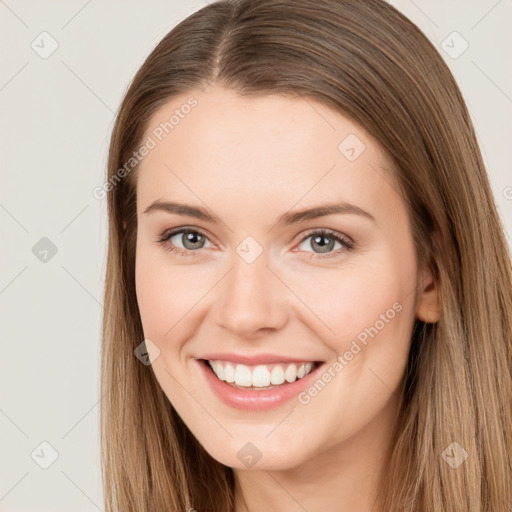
(266, 290)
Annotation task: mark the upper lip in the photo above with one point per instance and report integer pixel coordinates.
(256, 359)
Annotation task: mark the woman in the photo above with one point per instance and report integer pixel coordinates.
(308, 286)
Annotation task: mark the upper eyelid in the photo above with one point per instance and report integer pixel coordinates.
(169, 233)
(310, 232)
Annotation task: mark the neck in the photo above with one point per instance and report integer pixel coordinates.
(344, 477)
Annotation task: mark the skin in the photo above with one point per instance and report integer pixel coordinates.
(250, 160)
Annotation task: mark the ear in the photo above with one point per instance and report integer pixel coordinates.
(428, 303)
(428, 307)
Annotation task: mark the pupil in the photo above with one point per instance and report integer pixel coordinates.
(323, 247)
(191, 237)
(194, 238)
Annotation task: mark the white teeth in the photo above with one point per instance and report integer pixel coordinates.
(243, 375)
(220, 371)
(259, 376)
(277, 375)
(217, 368)
(304, 369)
(229, 372)
(291, 373)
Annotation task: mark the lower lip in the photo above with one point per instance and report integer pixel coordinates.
(252, 400)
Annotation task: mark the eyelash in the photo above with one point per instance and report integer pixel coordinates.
(345, 241)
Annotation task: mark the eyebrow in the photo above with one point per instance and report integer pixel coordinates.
(285, 219)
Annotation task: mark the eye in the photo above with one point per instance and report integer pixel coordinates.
(323, 241)
(190, 239)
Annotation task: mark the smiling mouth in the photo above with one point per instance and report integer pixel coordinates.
(260, 377)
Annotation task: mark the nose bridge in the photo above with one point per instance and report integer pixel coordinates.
(251, 296)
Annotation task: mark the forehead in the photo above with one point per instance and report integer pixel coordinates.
(270, 149)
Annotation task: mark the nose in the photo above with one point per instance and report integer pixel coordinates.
(251, 300)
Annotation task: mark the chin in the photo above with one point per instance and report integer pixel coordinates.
(258, 455)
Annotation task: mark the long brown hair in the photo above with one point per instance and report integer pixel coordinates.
(367, 61)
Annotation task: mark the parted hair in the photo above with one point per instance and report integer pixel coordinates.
(367, 61)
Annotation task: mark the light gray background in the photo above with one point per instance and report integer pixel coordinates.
(56, 117)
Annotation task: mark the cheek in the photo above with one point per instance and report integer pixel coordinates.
(166, 299)
(152, 288)
(344, 302)
(365, 313)
(373, 323)
(164, 293)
